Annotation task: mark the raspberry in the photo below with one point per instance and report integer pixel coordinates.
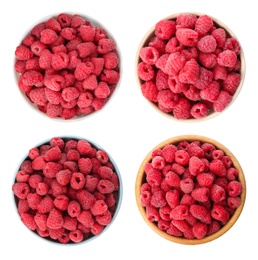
(111, 60)
(50, 169)
(222, 101)
(207, 44)
(175, 63)
(203, 24)
(211, 92)
(77, 180)
(99, 208)
(28, 221)
(199, 110)
(102, 90)
(205, 179)
(86, 218)
(201, 194)
(233, 202)
(196, 165)
(48, 36)
(186, 20)
(218, 194)
(190, 72)
(165, 29)
(219, 213)
(182, 109)
(150, 91)
(21, 190)
(187, 185)
(105, 186)
(217, 167)
(85, 198)
(41, 221)
(232, 44)
(188, 37)
(91, 183)
(61, 202)
(42, 188)
(110, 76)
(106, 45)
(105, 218)
(172, 197)
(180, 212)
(55, 219)
(149, 55)
(220, 35)
(53, 154)
(23, 53)
(45, 205)
(231, 83)
(76, 236)
(59, 61)
(34, 180)
(22, 176)
(200, 230)
(198, 211)
(74, 208)
(234, 188)
(227, 58)
(38, 96)
(145, 71)
(98, 64)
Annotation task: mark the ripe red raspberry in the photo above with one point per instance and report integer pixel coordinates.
(55, 219)
(23, 53)
(207, 44)
(165, 29)
(219, 213)
(74, 208)
(48, 36)
(86, 218)
(28, 221)
(187, 185)
(21, 190)
(188, 37)
(61, 202)
(106, 45)
(201, 194)
(227, 58)
(203, 24)
(45, 205)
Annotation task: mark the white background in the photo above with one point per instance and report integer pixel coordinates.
(128, 128)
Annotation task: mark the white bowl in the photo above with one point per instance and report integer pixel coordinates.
(113, 87)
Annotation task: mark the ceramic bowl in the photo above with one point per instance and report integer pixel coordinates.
(71, 75)
(164, 62)
(70, 195)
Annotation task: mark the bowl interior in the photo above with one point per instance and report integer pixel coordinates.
(141, 178)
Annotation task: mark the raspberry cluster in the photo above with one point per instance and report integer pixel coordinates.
(190, 66)
(67, 66)
(190, 189)
(66, 190)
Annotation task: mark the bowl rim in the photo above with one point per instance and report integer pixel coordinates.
(242, 71)
(233, 218)
(119, 192)
(95, 23)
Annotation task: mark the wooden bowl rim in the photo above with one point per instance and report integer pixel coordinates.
(212, 114)
(234, 217)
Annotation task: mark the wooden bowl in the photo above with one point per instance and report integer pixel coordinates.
(212, 113)
(141, 178)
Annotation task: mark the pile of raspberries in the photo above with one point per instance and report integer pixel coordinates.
(190, 189)
(66, 190)
(67, 66)
(190, 66)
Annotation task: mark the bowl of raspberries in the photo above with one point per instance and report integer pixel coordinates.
(67, 190)
(67, 66)
(190, 189)
(190, 66)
